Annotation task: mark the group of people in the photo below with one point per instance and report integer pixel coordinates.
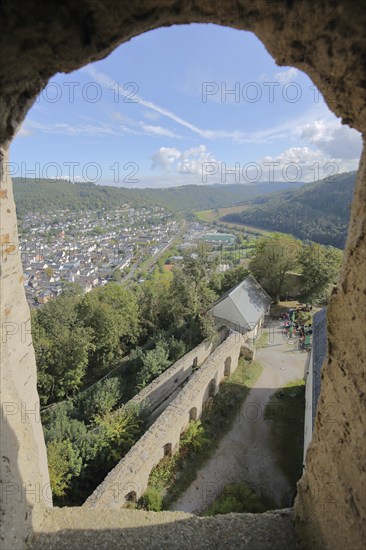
(294, 326)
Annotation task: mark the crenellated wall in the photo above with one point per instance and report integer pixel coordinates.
(132, 473)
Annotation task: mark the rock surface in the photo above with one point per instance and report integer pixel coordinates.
(75, 528)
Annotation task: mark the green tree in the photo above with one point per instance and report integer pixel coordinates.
(64, 463)
(61, 346)
(320, 266)
(190, 297)
(72, 289)
(233, 277)
(120, 430)
(49, 271)
(117, 275)
(154, 297)
(112, 315)
(100, 400)
(155, 362)
(274, 258)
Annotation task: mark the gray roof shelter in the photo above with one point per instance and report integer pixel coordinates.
(242, 306)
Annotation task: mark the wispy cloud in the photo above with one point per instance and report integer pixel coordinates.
(107, 82)
(63, 128)
(159, 131)
(95, 128)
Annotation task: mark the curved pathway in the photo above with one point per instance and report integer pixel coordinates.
(244, 453)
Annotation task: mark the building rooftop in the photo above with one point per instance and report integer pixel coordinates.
(243, 305)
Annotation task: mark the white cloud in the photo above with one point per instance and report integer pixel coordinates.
(164, 158)
(284, 77)
(121, 117)
(333, 138)
(236, 136)
(190, 161)
(96, 128)
(299, 155)
(303, 163)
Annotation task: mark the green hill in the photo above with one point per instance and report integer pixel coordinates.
(45, 195)
(317, 211)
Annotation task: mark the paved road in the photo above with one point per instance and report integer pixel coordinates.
(244, 453)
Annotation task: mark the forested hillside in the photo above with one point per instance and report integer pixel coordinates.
(318, 211)
(45, 195)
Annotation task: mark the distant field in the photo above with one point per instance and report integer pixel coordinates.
(210, 216)
(247, 228)
(217, 213)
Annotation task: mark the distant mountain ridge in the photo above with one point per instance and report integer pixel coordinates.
(44, 195)
(317, 211)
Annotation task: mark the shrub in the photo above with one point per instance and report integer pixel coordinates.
(239, 498)
(101, 399)
(194, 437)
(152, 500)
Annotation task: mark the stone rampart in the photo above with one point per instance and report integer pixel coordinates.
(129, 479)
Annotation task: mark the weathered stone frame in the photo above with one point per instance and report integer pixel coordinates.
(325, 40)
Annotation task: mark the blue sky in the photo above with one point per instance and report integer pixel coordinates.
(158, 112)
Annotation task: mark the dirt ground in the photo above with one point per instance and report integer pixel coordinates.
(244, 453)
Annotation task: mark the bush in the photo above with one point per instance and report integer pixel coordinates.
(155, 362)
(194, 437)
(152, 500)
(100, 400)
(64, 462)
(239, 498)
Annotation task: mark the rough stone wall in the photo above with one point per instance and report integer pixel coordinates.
(330, 507)
(25, 489)
(157, 395)
(132, 472)
(324, 39)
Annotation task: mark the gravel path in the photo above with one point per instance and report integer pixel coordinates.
(244, 453)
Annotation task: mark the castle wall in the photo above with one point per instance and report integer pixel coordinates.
(132, 473)
(159, 393)
(25, 488)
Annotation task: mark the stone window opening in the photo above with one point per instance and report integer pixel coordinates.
(227, 367)
(212, 388)
(347, 103)
(131, 497)
(193, 414)
(167, 449)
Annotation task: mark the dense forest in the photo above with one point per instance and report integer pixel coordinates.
(318, 212)
(44, 195)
